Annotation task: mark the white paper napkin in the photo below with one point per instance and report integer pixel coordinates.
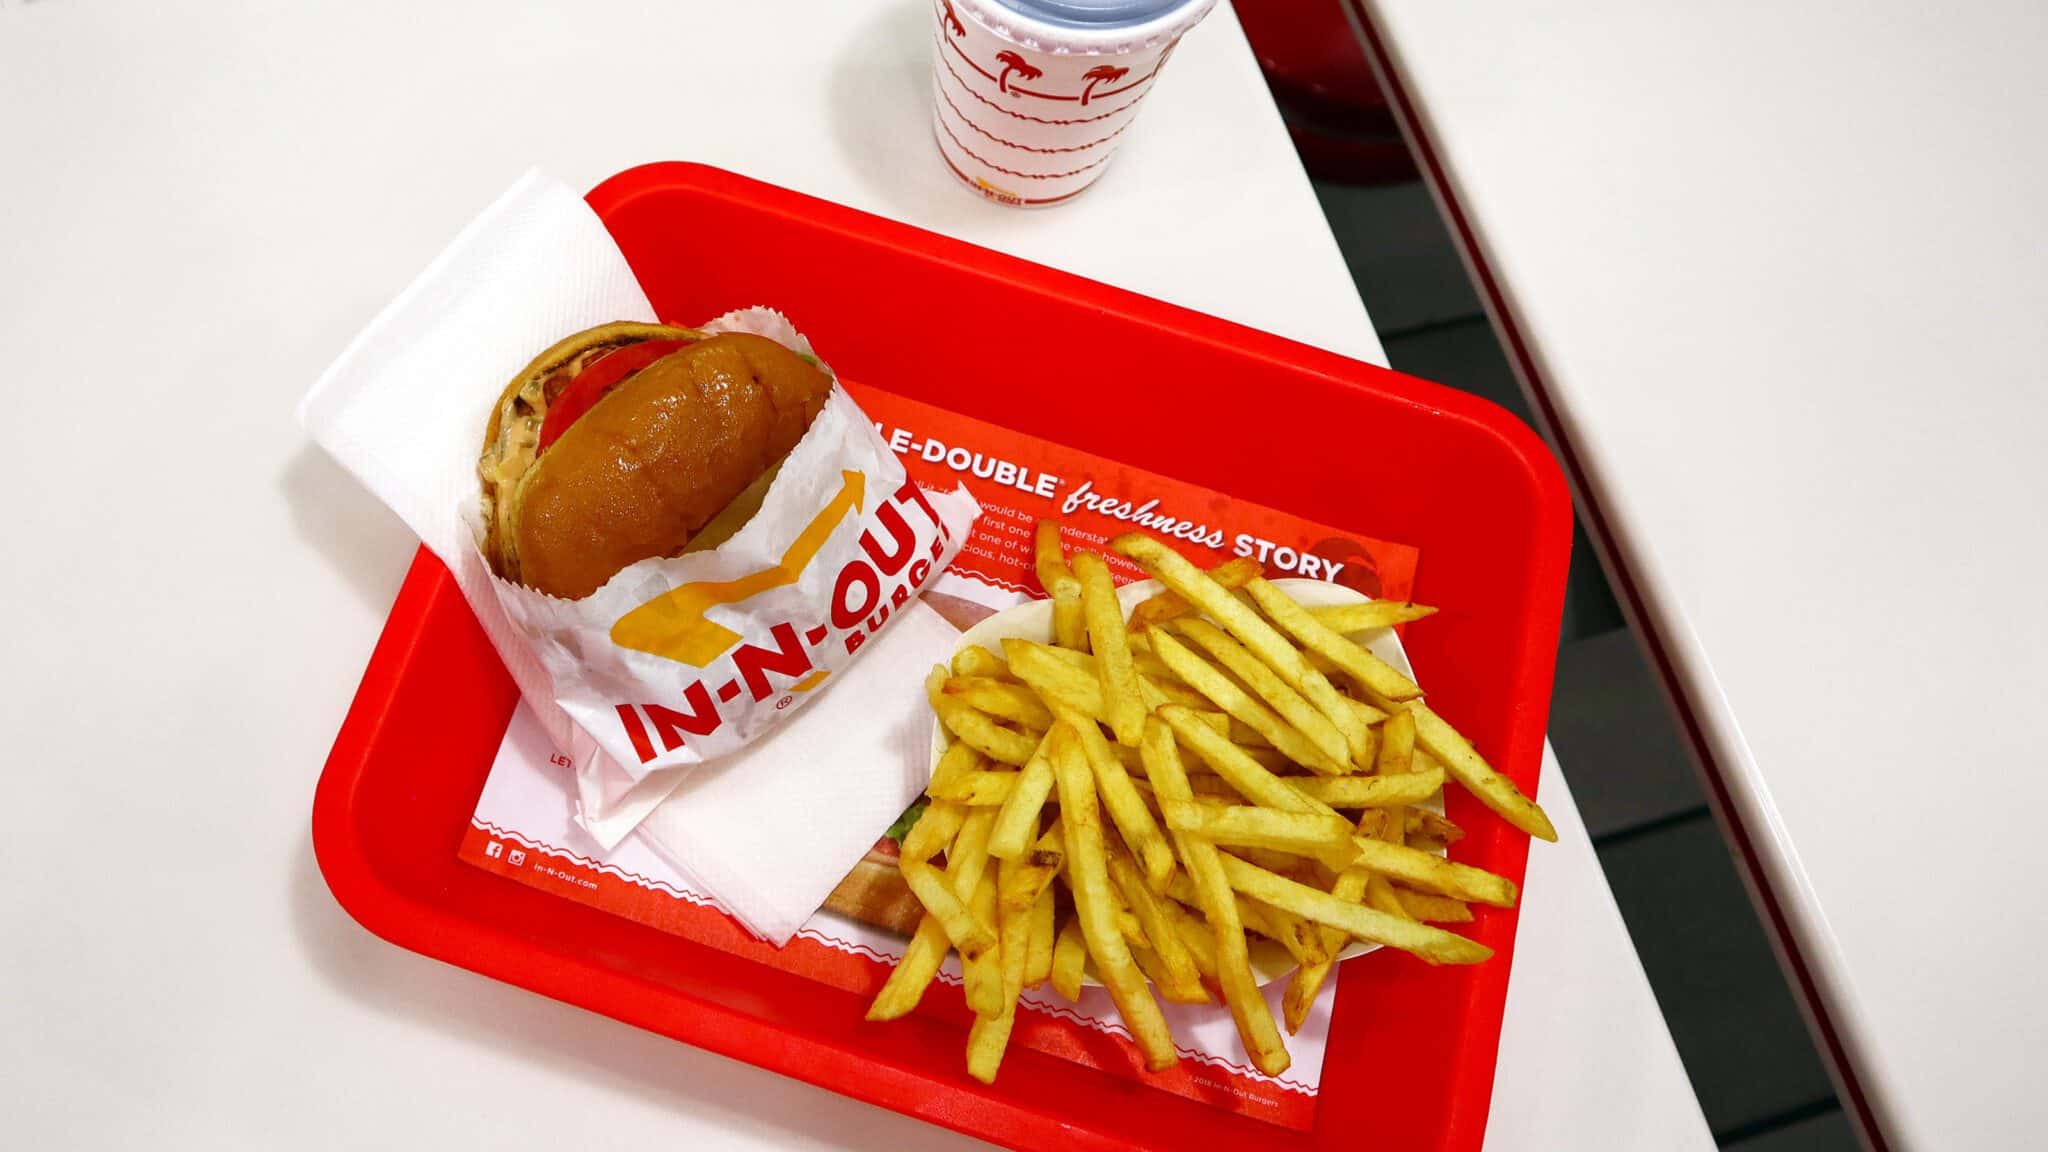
(755, 828)
(767, 831)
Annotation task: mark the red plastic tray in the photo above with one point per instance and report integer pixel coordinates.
(1411, 1051)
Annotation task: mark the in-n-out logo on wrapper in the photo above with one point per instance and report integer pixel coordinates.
(893, 565)
(680, 660)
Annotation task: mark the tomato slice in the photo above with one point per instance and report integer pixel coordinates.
(597, 378)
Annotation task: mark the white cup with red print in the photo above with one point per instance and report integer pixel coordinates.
(1030, 98)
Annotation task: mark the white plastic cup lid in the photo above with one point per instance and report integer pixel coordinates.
(1087, 27)
(1092, 13)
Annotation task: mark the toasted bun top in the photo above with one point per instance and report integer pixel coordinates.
(650, 464)
(512, 435)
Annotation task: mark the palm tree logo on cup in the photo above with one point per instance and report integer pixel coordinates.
(952, 19)
(1012, 62)
(1101, 74)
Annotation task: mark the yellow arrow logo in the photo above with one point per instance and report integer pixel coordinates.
(672, 625)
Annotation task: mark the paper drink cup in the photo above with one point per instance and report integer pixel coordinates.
(1030, 98)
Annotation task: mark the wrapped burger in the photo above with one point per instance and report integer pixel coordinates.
(695, 528)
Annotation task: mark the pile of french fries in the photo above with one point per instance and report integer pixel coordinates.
(1298, 817)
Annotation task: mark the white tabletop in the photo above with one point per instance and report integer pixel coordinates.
(200, 205)
(1780, 268)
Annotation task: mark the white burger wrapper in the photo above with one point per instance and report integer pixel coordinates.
(737, 640)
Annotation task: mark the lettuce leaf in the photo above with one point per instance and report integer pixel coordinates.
(906, 822)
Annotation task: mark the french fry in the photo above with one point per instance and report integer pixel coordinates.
(982, 974)
(1200, 942)
(976, 789)
(962, 927)
(1035, 870)
(1134, 932)
(1418, 869)
(1245, 734)
(1135, 763)
(1158, 690)
(1397, 745)
(1396, 765)
(934, 831)
(1369, 749)
(975, 728)
(1372, 791)
(1017, 823)
(1210, 787)
(958, 759)
(1151, 666)
(1148, 965)
(974, 660)
(1267, 685)
(1268, 645)
(1179, 980)
(1069, 960)
(1351, 618)
(1376, 674)
(1169, 605)
(1302, 833)
(1308, 978)
(967, 860)
(1299, 937)
(1272, 758)
(1038, 964)
(1243, 708)
(1302, 938)
(1212, 894)
(990, 1035)
(1289, 931)
(967, 856)
(1380, 895)
(1292, 865)
(1142, 659)
(1353, 883)
(1366, 713)
(1126, 807)
(1468, 768)
(1432, 908)
(1070, 678)
(1147, 667)
(1077, 659)
(1248, 776)
(1069, 627)
(1353, 920)
(1003, 699)
(1430, 832)
(1095, 905)
(1122, 710)
(912, 974)
(1060, 683)
(1397, 762)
